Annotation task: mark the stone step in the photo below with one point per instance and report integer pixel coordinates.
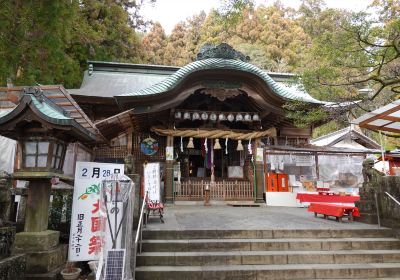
(283, 244)
(270, 234)
(270, 272)
(268, 257)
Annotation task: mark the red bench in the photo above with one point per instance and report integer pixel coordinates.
(335, 210)
(154, 208)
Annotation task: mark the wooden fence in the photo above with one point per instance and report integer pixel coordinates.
(220, 190)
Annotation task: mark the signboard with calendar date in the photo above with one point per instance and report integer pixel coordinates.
(85, 241)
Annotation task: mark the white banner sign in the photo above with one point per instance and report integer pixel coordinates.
(85, 241)
(152, 180)
(260, 155)
(169, 153)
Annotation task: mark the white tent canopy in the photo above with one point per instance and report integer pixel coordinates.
(8, 148)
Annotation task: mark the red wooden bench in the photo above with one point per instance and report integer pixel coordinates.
(335, 210)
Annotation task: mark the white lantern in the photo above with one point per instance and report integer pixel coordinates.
(256, 117)
(204, 116)
(196, 116)
(231, 117)
(239, 117)
(247, 117)
(178, 115)
(221, 117)
(213, 117)
(186, 116)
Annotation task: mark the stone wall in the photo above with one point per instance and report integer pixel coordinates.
(389, 211)
(13, 267)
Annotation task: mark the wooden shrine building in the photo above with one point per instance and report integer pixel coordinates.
(207, 123)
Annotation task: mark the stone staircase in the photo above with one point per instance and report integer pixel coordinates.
(269, 254)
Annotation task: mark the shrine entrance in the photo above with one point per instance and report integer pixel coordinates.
(231, 170)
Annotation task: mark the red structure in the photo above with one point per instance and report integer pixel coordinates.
(394, 163)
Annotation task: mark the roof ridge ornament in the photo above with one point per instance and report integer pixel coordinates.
(223, 50)
(36, 91)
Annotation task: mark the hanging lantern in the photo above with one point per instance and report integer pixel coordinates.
(239, 117)
(221, 117)
(231, 117)
(213, 117)
(196, 116)
(256, 117)
(239, 146)
(190, 145)
(247, 118)
(217, 145)
(178, 115)
(204, 116)
(186, 116)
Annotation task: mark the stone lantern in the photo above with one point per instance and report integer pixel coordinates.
(43, 131)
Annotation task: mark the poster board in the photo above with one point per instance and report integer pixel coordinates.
(152, 180)
(235, 172)
(85, 241)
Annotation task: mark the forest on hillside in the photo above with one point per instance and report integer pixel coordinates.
(335, 52)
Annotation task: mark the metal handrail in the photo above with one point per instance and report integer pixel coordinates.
(395, 200)
(139, 235)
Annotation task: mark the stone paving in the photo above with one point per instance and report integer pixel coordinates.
(227, 217)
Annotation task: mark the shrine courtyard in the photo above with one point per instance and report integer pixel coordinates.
(223, 217)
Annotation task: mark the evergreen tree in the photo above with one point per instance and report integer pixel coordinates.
(49, 42)
(175, 50)
(154, 44)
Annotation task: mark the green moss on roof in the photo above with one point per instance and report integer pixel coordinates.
(228, 64)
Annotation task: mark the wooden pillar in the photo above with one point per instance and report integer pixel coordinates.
(259, 174)
(316, 165)
(169, 174)
(129, 143)
(37, 205)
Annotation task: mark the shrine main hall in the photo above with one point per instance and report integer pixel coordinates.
(207, 123)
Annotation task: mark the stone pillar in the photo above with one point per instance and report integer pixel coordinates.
(169, 175)
(21, 208)
(44, 255)
(5, 201)
(137, 201)
(37, 205)
(367, 204)
(260, 177)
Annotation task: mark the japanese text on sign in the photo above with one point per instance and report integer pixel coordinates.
(152, 180)
(85, 241)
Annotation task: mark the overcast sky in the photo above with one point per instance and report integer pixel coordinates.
(170, 12)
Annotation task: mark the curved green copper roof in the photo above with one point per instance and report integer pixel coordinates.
(287, 93)
(48, 110)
